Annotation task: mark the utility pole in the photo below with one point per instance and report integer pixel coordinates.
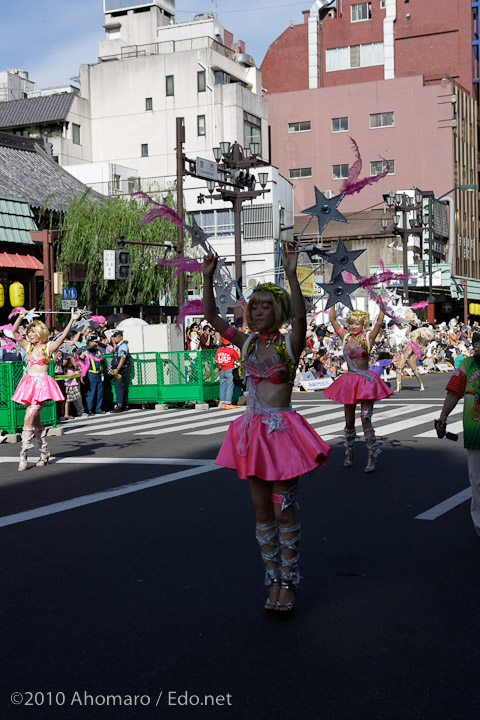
(180, 135)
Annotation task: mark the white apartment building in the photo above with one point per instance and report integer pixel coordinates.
(151, 71)
(15, 85)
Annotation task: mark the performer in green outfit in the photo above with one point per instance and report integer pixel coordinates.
(465, 382)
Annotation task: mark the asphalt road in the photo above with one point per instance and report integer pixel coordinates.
(129, 568)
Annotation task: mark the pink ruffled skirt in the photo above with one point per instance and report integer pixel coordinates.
(37, 389)
(272, 454)
(350, 388)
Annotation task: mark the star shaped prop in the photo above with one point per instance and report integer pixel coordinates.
(199, 236)
(339, 292)
(225, 296)
(342, 259)
(315, 252)
(325, 209)
(30, 315)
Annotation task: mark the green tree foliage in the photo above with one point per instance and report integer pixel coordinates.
(94, 226)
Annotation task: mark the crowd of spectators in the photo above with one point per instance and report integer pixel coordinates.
(323, 355)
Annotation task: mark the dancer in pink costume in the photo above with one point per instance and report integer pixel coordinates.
(358, 385)
(270, 445)
(36, 387)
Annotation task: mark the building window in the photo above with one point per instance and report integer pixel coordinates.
(299, 126)
(144, 150)
(201, 81)
(340, 124)
(116, 182)
(76, 134)
(148, 104)
(200, 124)
(133, 184)
(386, 119)
(219, 223)
(300, 173)
(345, 58)
(169, 86)
(379, 166)
(382, 4)
(221, 78)
(339, 172)
(252, 130)
(361, 11)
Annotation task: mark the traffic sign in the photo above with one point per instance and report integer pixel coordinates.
(206, 169)
(65, 294)
(72, 294)
(109, 264)
(68, 304)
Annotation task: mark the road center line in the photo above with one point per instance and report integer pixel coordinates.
(104, 495)
(443, 507)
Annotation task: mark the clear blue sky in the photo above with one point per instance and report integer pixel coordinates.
(52, 38)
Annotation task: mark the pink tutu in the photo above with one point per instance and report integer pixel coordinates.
(37, 389)
(350, 388)
(285, 453)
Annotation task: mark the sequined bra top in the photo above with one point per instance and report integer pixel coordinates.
(41, 359)
(354, 355)
(278, 369)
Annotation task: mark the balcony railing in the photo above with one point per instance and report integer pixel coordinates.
(130, 185)
(170, 46)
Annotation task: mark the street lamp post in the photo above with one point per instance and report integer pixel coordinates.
(236, 184)
(401, 202)
(431, 299)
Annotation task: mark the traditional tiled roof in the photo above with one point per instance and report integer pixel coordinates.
(16, 221)
(26, 170)
(36, 110)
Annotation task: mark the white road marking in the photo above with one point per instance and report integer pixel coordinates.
(443, 507)
(73, 503)
(114, 461)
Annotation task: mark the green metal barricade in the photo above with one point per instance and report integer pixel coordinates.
(12, 413)
(168, 377)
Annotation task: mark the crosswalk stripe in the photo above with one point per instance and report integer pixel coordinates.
(121, 422)
(161, 427)
(224, 428)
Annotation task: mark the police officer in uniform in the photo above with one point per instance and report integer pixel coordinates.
(120, 365)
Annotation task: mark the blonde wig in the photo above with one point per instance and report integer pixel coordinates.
(40, 328)
(358, 315)
(275, 296)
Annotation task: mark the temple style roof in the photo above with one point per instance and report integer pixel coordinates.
(36, 110)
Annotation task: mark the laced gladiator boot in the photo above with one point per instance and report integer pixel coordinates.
(419, 378)
(27, 435)
(290, 575)
(349, 435)
(373, 449)
(267, 538)
(40, 434)
(398, 376)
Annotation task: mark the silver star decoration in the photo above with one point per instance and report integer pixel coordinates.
(342, 260)
(289, 498)
(199, 236)
(273, 422)
(31, 314)
(225, 296)
(339, 292)
(325, 209)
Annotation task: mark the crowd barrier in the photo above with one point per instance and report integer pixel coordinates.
(12, 413)
(161, 377)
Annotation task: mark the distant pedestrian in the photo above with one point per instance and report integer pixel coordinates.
(225, 358)
(119, 369)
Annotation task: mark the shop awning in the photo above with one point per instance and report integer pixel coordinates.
(20, 262)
